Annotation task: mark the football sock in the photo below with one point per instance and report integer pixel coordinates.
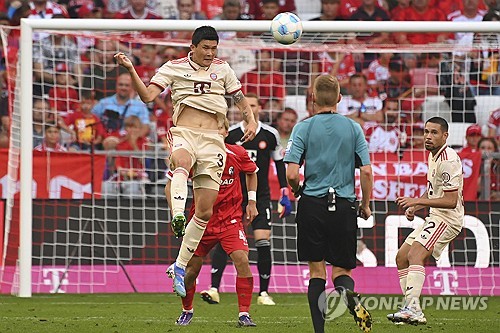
(187, 301)
(179, 191)
(314, 291)
(403, 275)
(244, 289)
(414, 285)
(264, 263)
(194, 231)
(344, 282)
(219, 262)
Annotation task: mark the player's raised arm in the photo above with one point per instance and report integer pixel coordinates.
(246, 111)
(147, 94)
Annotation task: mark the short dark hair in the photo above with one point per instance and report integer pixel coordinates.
(205, 32)
(439, 121)
(271, 1)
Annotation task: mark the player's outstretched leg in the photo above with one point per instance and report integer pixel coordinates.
(178, 197)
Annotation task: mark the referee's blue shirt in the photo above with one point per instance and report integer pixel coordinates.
(329, 150)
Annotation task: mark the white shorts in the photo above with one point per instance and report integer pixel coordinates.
(434, 235)
(208, 154)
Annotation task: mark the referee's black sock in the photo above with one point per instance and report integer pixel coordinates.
(344, 281)
(264, 263)
(219, 262)
(314, 291)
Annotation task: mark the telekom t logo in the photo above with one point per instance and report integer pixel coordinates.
(446, 280)
(52, 277)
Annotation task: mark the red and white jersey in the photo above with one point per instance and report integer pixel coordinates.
(494, 122)
(377, 72)
(129, 14)
(382, 139)
(202, 88)
(51, 9)
(44, 147)
(227, 211)
(445, 174)
(350, 106)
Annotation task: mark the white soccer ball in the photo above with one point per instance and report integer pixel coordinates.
(286, 28)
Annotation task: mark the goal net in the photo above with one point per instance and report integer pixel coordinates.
(92, 215)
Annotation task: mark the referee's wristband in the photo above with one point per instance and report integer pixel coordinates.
(252, 195)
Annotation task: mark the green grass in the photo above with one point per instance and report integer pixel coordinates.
(157, 313)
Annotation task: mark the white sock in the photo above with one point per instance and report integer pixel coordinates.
(403, 275)
(194, 231)
(414, 285)
(243, 313)
(179, 191)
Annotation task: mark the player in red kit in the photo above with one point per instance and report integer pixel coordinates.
(226, 227)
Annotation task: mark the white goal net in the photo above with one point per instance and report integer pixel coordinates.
(96, 214)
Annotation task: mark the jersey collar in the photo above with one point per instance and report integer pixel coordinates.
(194, 65)
(440, 151)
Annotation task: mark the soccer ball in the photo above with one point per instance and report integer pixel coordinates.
(286, 28)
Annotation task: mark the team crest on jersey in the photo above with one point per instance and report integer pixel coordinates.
(262, 145)
(446, 178)
(231, 170)
(213, 76)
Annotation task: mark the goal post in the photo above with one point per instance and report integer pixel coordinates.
(29, 26)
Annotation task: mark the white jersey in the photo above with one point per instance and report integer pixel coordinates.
(202, 88)
(445, 175)
(349, 106)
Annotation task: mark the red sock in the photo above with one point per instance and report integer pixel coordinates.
(187, 302)
(244, 289)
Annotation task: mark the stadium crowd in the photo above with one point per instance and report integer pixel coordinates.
(80, 92)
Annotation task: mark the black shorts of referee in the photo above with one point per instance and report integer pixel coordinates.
(327, 235)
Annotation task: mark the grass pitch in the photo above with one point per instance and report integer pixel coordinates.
(157, 313)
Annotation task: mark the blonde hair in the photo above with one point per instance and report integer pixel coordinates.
(326, 90)
(226, 124)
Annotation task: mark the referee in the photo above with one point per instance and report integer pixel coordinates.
(330, 145)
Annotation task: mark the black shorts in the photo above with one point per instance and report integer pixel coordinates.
(326, 235)
(263, 220)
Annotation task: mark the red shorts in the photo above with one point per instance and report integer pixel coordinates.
(231, 239)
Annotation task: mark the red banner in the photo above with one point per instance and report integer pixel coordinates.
(406, 176)
(59, 175)
(471, 164)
